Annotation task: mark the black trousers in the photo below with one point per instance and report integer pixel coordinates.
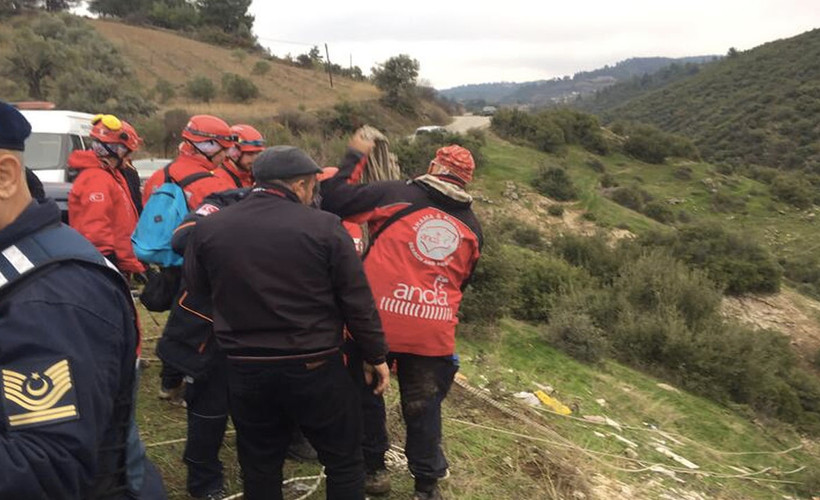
(268, 398)
(207, 408)
(424, 382)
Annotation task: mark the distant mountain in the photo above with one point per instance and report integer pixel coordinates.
(545, 92)
(760, 106)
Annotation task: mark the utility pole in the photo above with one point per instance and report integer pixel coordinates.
(329, 70)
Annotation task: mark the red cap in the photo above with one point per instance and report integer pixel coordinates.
(457, 160)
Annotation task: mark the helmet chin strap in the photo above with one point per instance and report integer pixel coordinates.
(203, 153)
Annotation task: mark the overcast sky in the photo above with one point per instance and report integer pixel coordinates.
(458, 42)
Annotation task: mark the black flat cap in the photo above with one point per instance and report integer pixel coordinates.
(283, 162)
(14, 128)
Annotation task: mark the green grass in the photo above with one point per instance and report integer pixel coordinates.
(517, 359)
(507, 458)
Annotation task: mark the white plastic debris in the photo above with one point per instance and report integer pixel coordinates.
(527, 398)
(677, 458)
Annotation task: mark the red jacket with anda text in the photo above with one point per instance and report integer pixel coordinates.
(425, 243)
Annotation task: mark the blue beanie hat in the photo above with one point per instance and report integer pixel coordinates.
(14, 128)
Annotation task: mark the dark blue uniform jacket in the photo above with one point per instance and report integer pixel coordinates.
(66, 332)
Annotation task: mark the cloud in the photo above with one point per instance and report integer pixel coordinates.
(459, 42)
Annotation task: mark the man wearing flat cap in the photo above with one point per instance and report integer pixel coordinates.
(67, 351)
(284, 279)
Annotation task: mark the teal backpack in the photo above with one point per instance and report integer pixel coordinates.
(162, 214)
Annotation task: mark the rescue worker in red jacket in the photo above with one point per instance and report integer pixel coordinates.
(205, 143)
(100, 206)
(425, 243)
(237, 166)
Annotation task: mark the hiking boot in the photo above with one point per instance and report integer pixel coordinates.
(435, 494)
(173, 395)
(377, 482)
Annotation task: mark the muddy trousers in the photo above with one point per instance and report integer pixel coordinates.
(207, 402)
(268, 398)
(424, 382)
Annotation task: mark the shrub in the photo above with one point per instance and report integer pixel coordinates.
(631, 197)
(527, 236)
(555, 183)
(683, 173)
(239, 88)
(608, 181)
(650, 144)
(556, 210)
(733, 260)
(165, 89)
(201, 88)
(659, 211)
(491, 293)
(793, 189)
(596, 165)
(576, 334)
(723, 201)
(299, 122)
(542, 279)
(591, 253)
(260, 68)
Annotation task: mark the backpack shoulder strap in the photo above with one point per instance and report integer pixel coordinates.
(236, 179)
(185, 181)
(409, 209)
(48, 246)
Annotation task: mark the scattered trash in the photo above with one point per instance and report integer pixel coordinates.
(595, 419)
(601, 402)
(629, 452)
(671, 438)
(552, 403)
(674, 456)
(600, 434)
(546, 388)
(527, 398)
(613, 423)
(666, 472)
(624, 440)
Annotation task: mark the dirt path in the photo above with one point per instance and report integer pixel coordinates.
(462, 124)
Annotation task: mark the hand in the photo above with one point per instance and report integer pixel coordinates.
(382, 372)
(360, 143)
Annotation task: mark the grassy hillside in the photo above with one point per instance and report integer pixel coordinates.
(499, 447)
(754, 107)
(157, 54)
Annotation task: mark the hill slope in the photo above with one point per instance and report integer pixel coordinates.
(544, 92)
(155, 54)
(758, 106)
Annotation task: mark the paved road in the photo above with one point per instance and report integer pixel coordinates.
(464, 123)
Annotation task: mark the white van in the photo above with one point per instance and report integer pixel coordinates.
(54, 135)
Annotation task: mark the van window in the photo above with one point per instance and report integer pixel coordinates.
(45, 151)
(76, 143)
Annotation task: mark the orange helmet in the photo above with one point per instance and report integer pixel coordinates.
(109, 129)
(201, 128)
(249, 140)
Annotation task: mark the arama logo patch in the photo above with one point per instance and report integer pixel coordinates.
(96, 197)
(41, 394)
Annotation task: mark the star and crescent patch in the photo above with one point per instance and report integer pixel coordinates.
(38, 394)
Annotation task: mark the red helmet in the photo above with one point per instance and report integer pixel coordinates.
(249, 140)
(201, 128)
(109, 129)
